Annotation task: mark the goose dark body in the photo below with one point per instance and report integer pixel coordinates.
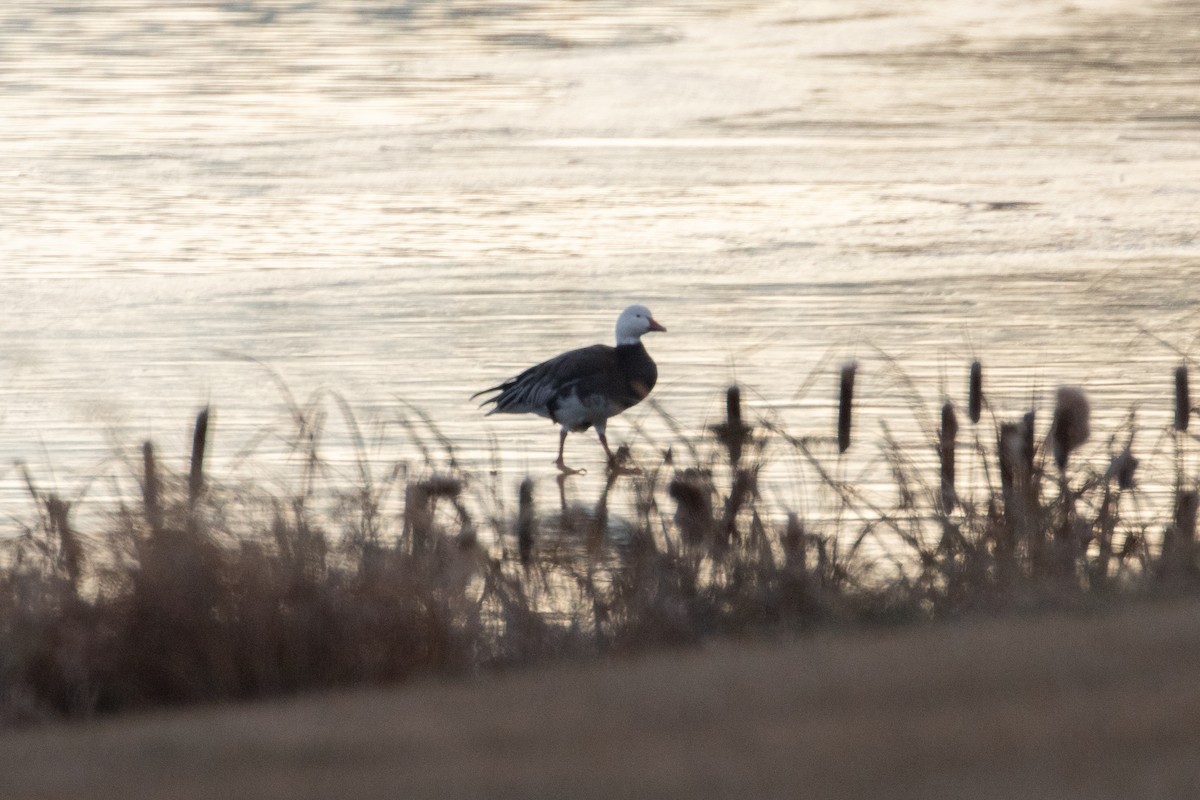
(621, 376)
(582, 388)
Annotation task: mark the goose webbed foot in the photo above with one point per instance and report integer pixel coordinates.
(616, 469)
(564, 470)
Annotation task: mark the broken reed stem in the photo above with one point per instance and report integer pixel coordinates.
(975, 392)
(845, 405)
(946, 442)
(1183, 403)
(150, 488)
(70, 550)
(1019, 493)
(793, 543)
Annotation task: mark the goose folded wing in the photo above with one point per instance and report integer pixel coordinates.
(584, 371)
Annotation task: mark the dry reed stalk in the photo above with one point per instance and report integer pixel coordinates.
(793, 544)
(1123, 467)
(420, 504)
(151, 489)
(70, 549)
(1016, 451)
(1028, 451)
(1104, 529)
(946, 442)
(525, 521)
(1183, 403)
(741, 492)
(418, 517)
(1071, 426)
(975, 392)
(1019, 490)
(693, 505)
(845, 404)
(1177, 559)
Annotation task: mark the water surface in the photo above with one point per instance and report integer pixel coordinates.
(409, 201)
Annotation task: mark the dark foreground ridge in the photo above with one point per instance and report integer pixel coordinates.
(1058, 706)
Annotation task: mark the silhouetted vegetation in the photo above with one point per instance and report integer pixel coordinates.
(196, 592)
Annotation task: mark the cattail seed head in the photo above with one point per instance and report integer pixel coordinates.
(733, 433)
(946, 442)
(1072, 423)
(975, 392)
(199, 443)
(845, 404)
(733, 406)
(1183, 402)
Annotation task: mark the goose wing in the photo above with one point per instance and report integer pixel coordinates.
(584, 371)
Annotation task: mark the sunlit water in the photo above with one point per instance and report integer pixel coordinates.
(405, 202)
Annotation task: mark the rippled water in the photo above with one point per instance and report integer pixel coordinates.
(414, 200)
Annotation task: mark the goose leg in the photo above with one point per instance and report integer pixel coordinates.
(607, 452)
(562, 467)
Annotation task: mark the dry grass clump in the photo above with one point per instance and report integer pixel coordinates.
(200, 592)
(174, 605)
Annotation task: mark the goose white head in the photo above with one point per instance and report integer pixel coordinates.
(633, 322)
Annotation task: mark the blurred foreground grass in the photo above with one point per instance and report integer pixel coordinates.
(1057, 706)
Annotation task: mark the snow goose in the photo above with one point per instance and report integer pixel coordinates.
(582, 388)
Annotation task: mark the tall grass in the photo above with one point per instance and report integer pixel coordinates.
(193, 591)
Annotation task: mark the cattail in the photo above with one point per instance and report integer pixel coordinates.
(733, 433)
(1183, 402)
(946, 441)
(1071, 426)
(845, 404)
(525, 520)
(733, 406)
(975, 391)
(199, 441)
